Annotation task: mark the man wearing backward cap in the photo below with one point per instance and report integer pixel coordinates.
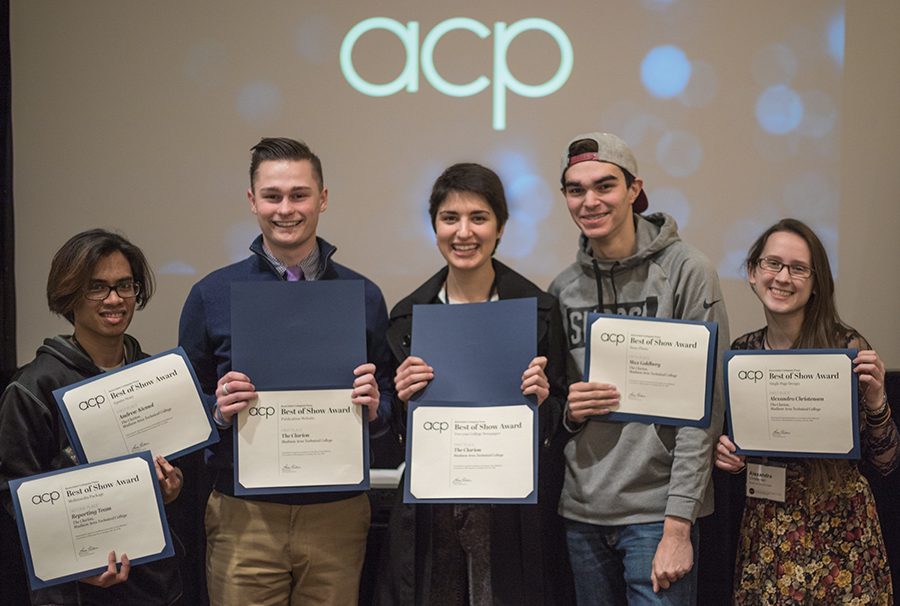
(633, 491)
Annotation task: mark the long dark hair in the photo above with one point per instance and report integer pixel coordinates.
(822, 327)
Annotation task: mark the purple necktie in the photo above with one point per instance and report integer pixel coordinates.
(294, 274)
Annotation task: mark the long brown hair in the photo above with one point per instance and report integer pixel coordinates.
(822, 327)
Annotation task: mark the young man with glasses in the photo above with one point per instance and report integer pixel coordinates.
(633, 491)
(97, 280)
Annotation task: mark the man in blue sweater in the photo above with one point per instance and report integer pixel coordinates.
(290, 548)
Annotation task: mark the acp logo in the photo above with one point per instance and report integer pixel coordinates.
(262, 411)
(45, 497)
(503, 80)
(438, 426)
(94, 402)
(750, 375)
(612, 337)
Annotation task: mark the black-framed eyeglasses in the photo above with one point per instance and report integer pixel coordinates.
(99, 292)
(774, 266)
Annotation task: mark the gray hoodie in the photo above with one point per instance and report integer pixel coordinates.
(631, 473)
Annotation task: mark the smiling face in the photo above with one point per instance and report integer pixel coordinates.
(599, 201)
(109, 318)
(287, 202)
(467, 231)
(780, 293)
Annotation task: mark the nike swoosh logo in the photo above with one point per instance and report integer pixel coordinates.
(707, 304)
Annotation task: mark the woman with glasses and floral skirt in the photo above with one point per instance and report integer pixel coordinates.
(96, 281)
(823, 544)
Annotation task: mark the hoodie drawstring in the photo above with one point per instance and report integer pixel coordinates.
(598, 278)
(599, 281)
(612, 278)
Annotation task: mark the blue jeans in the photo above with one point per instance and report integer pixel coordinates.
(612, 565)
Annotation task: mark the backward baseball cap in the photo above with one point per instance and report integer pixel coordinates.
(612, 149)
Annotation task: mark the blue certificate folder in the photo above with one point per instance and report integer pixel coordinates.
(77, 446)
(704, 421)
(479, 352)
(299, 336)
(18, 494)
(852, 386)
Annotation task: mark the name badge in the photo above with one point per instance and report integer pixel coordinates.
(766, 481)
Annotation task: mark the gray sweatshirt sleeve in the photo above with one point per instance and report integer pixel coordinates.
(690, 488)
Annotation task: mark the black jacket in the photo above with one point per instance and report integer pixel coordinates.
(529, 561)
(33, 440)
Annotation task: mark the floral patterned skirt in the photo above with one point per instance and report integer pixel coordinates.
(823, 548)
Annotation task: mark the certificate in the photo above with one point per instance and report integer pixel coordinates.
(793, 403)
(662, 368)
(299, 343)
(471, 454)
(471, 434)
(301, 439)
(154, 404)
(69, 520)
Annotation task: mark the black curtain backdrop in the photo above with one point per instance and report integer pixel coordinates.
(12, 590)
(7, 240)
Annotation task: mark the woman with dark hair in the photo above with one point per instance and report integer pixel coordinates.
(468, 554)
(96, 281)
(823, 544)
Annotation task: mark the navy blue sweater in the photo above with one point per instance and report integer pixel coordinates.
(205, 334)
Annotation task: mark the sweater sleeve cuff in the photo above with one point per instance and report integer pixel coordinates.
(682, 507)
(570, 426)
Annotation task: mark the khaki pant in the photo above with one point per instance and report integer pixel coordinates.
(269, 554)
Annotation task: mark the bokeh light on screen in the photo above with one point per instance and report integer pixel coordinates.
(672, 201)
(314, 39)
(679, 153)
(259, 102)
(779, 109)
(177, 268)
(206, 63)
(774, 64)
(238, 238)
(665, 71)
(836, 38)
(657, 4)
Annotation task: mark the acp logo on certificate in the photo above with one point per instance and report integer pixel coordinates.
(750, 375)
(262, 411)
(94, 402)
(438, 426)
(612, 337)
(45, 497)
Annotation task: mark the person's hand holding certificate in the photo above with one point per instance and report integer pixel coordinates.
(793, 403)
(153, 404)
(663, 369)
(70, 520)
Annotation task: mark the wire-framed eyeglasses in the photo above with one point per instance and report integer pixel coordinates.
(99, 292)
(774, 266)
